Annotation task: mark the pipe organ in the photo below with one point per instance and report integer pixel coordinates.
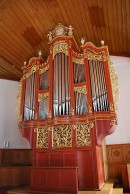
(66, 106)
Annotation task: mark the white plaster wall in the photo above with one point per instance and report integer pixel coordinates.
(122, 133)
(8, 121)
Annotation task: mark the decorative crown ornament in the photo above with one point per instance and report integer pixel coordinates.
(60, 30)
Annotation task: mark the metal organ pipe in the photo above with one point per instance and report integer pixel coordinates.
(29, 97)
(105, 90)
(61, 89)
(98, 86)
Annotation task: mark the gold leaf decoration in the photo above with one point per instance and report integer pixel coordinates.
(78, 61)
(114, 83)
(62, 136)
(42, 138)
(81, 89)
(97, 56)
(30, 72)
(83, 134)
(43, 70)
(42, 96)
(60, 47)
(18, 101)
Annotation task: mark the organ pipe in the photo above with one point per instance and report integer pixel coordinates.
(96, 91)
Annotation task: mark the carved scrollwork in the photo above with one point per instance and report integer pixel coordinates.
(43, 70)
(113, 122)
(62, 136)
(60, 47)
(97, 56)
(18, 101)
(42, 138)
(83, 134)
(114, 83)
(111, 107)
(81, 89)
(42, 96)
(90, 109)
(78, 61)
(30, 72)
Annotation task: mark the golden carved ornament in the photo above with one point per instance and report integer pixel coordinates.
(78, 61)
(49, 114)
(35, 116)
(30, 72)
(42, 96)
(81, 89)
(72, 111)
(114, 83)
(42, 137)
(20, 130)
(111, 107)
(60, 47)
(97, 56)
(18, 101)
(91, 125)
(62, 136)
(113, 122)
(43, 70)
(83, 134)
(90, 109)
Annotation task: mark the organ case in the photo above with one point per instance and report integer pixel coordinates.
(66, 108)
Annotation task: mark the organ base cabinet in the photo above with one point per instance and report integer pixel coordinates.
(66, 107)
(56, 179)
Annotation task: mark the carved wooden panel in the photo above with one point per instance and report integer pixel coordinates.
(117, 155)
(16, 157)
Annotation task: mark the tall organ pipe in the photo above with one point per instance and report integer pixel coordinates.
(61, 89)
(98, 86)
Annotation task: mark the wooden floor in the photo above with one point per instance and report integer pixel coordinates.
(107, 189)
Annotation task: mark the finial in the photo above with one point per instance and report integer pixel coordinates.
(40, 53)
(70, 30)
(102, 42)
(82, 41)
(24, 63)
(50, 36)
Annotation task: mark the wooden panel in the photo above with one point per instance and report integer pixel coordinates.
(99, 167)
(55, 159)
(14, 175)
(42, 159)
(125, 180)
(85, 169)
(14, 167)
(69, 159)
(54, 179)
(128, 172)
(117, 155)
(16, 157)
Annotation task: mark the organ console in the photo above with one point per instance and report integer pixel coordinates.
(66, 107)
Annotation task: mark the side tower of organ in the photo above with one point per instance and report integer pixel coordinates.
(66, 107)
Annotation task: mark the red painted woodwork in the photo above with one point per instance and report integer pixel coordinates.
(55, 168)
(54, 179)
(85, 169)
